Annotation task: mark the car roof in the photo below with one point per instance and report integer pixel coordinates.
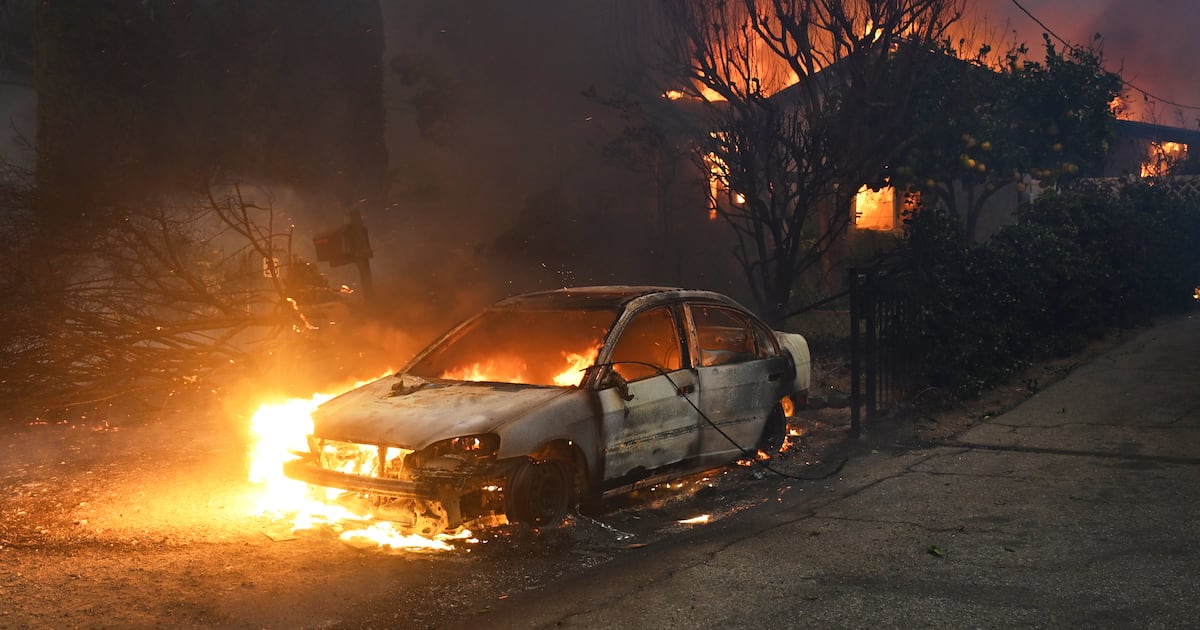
(605, 297)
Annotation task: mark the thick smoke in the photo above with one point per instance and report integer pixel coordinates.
(1151, 43)
(498, 177)
(497, 182)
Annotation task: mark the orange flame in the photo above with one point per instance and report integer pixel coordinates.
(1161, 157)
(278, 431)
(494, 370)
(510, 370)
(577, 362)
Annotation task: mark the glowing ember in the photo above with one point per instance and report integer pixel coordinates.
(760, 456)
(278, 431)
(696, 520)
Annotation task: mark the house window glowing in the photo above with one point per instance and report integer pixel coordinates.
(1161, 157)
(875, 209)
(719, 191)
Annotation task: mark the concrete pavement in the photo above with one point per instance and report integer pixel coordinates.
(1079, 508)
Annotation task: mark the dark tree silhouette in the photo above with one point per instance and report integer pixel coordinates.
(807, 100)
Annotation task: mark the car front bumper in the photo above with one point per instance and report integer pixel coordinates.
(310, 472)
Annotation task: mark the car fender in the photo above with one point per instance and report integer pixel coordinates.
(569, 418)
(797, 348)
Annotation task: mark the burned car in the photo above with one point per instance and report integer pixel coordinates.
(551, 398)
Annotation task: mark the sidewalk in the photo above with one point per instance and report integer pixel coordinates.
(1081, 507)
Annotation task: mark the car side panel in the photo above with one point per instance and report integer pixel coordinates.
(737, 398)
(658, 427)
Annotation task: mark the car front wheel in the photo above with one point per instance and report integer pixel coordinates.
(539, 493)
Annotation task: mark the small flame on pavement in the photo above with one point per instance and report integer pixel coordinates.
(278, 431)
(759, 456)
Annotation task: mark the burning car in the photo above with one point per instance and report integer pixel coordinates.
(551, 398)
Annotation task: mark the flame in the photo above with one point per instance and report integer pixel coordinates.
(577, 362)
(510, 370)
(875, 209)
(696, 520)
(494, 370)
(759, 456)
(1120, 108)
(278, 430)
(1161, 157)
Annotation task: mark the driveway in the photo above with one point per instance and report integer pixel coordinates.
(1080, 507)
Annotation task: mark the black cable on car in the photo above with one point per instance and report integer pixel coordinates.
(752, 455)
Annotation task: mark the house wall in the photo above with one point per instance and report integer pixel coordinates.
(1125, 157)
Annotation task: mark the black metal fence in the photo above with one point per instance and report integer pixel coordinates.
(885, 324)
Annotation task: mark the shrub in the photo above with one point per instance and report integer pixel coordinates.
(1074, 266)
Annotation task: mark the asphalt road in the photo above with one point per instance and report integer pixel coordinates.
(1078, 508)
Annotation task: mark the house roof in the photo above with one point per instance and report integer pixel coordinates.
(1156, 133)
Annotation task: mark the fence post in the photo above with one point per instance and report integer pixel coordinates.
(855, 356)
(871, 352)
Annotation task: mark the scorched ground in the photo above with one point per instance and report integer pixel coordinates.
(149, 520)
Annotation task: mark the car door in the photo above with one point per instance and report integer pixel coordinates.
(650, 421)
(742, 375)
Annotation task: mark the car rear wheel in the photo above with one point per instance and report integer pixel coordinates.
(539, 493)
(774, 433)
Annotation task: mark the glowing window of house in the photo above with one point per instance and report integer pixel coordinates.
(718, 175)
(1161, 157)
(875, 209)
(718, 184)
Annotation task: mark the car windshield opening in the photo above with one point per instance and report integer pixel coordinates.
(533, 347)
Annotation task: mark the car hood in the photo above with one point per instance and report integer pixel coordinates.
(413, 413)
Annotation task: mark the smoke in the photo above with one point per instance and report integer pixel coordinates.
(1150, 43)
(498, 181)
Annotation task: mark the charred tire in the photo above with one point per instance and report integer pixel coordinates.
(539, 492)
(774, 433)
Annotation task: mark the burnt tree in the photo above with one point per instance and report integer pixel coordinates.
(805, 101)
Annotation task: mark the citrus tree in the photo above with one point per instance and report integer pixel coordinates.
(1046, 120)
